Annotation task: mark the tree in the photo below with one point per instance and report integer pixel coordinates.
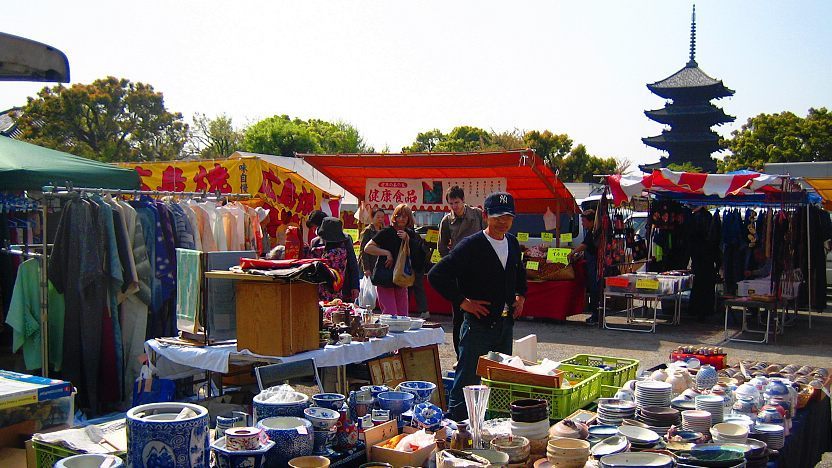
(687, 166)
(783, 137)
(460, 139)
(580, 166)
(213, 138)
(425, 142)
(284, 136)
(549, 146)
(109, 120)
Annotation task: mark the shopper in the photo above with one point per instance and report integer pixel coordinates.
(484, 277)
(461, 222)
(336, 249)
(314, 221)
(589, 247)
(367, 261)
(386, 244)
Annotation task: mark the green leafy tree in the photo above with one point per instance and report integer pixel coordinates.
(580, 166)
(108, 120)
(213, 138)
(464, 138)
(549, 146)
(783, 137)
(425, 142)
(686, 166)
(284, 136)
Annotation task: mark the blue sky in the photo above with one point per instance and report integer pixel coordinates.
(394, 68)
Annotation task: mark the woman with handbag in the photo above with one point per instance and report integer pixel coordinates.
(369, 261)
(391, 273)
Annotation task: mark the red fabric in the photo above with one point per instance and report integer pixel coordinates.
(275, 264)
(545, 299)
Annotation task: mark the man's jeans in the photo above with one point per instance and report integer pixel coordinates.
(477, 337)
(418, 291)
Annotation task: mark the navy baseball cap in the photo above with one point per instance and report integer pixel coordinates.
(499, 204)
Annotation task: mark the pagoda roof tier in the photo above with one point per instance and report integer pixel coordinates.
(708, 114)
(680, 140)
(690, 82)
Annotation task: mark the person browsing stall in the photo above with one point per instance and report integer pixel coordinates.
(386, 244)
(461, 222)
(336, 250)
(590, 251)
(483, 276)
(368, 261)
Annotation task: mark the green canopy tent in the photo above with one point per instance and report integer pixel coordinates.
(24, 166)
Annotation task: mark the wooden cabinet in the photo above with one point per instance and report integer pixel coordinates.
(277, 319)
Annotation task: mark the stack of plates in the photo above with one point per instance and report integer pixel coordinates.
(637, 459)
(610, 445)
(658, 418)
(772, 434)
(611, 411)
(712, 404)
(639, 438)
(696, 421)
(653, 393)
(683, 402)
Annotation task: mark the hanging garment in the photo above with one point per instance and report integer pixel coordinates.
(183, 231)
(166, 255)
(189, 213)
(24, 318)
(203, 226)
(148, 218)
(138, 245)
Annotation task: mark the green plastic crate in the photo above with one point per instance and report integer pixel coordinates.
(624, 369)
(562, 401)
(608, 391)
(47, 454)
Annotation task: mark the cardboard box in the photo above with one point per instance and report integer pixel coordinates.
(754, 287)
(500, 372)
(377, 435)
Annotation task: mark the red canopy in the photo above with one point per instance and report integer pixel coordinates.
(533, 185)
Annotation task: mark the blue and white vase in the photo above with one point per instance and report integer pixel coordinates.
(157, 439)
(293, 437)
(706, 378)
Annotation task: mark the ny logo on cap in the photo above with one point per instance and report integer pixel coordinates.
(503, 198)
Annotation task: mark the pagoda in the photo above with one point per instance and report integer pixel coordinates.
(689, 113)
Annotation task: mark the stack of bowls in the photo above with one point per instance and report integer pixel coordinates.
(740, 419)
(612, 412)
(567, 453)
(517, 448)
(772, 434)
(730, 433)
(639, 437)
(696, 421)
(712, 404)
(653, 393)
(530, 418)
(658, 418)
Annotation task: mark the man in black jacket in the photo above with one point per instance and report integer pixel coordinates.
(483, 276)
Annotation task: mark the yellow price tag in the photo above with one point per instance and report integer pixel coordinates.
(566, 237)
(522, 236)
(646, 283)
(432, 235)
(352, 233)
(532, 265)
(435, 257)
(547, 236)
(558, 255)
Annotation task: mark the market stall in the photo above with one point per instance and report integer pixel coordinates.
(420, 180)
(744, 234)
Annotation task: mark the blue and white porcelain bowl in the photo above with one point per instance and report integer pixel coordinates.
(155, 437)
(292, 437)
(421, 390)
(427, 416)
(322, 419)
(333, 401)
(295, 407)
(395, 402)
(224, 458)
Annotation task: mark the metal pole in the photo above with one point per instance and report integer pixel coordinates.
(809, 258)
(44, 294)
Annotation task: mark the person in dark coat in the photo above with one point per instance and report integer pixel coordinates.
(483, 276)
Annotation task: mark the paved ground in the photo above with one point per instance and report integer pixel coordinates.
(559, 340)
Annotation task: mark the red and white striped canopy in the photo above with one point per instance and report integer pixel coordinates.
(624, 187)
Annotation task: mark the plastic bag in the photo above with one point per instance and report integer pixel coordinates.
(415, 441)
(367, 296)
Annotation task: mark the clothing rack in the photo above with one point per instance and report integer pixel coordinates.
(68, 191)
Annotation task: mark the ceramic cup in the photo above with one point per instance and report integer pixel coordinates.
(244, 438)
(162, 434)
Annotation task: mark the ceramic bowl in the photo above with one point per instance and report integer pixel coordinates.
(333, 401)
(416, 324)
(294, 408)
(322, 419)
(567, 447)
(567, 462)
(535, 430)
(397, 324)
(495, 457)
(517, 448)
(421, 390)
(293, 437)
(638, 435)
(603, 431)
(91, 460)
(310, 461)
(225, 458)
(376, 330)
(529, 410)
(730, 430)
(395, 402)
(640, 459)
(428, 416)
(610, 445)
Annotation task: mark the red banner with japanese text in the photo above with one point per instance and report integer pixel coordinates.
(428, 194)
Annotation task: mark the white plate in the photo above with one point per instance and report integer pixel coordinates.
(638, 435)
(645, 459)
(609, 446)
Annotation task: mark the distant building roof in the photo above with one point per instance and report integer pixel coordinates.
(674, 112)
(8, 122)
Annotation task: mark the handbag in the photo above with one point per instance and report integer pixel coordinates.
(382, 276)
(403, 275)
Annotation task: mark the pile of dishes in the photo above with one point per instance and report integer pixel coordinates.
(530, 418)
(658, 418)
(731, 433)
(567, 453)
(612, 412)
(610, 445)
(653, 393)
(639, 437)
(772, 434)
(644, 459)
(712, 404)
(696, 421)
(600, 432)
(396, 323)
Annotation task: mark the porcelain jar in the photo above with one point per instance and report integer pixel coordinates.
(264, 409)
(155, 437)
(293, 437)
(678, 382)
(769, 415)
(706, 378)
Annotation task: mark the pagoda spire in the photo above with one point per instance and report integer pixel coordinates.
(692, 62)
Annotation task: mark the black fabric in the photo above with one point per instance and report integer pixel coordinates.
(388, 239)
(810, 437)
(704, 261)
(382, 276)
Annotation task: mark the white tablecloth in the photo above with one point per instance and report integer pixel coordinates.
(173, 361)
